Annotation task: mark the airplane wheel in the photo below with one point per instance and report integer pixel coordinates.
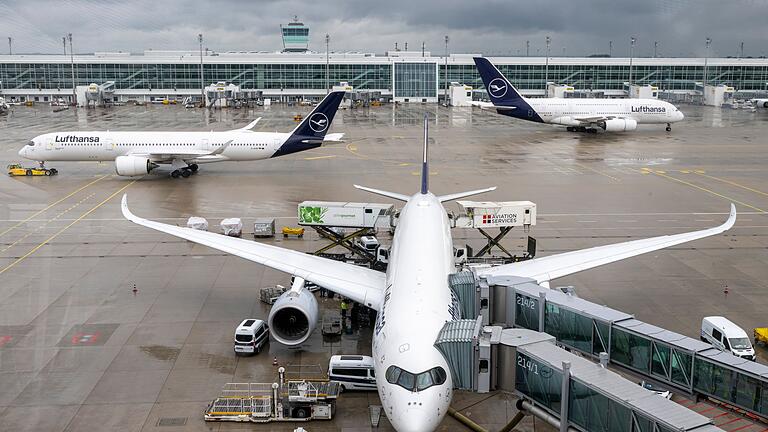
(193, 167)
(186, 173)
(176, 174)
(669, 128)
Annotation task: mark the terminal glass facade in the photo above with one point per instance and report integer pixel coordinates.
(415, 80)
(407, 79)
(290, 76)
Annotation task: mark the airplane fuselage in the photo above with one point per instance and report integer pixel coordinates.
(106, 145)
(568, 111)
(417, 303)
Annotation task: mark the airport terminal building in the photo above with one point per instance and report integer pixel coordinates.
(403, 76)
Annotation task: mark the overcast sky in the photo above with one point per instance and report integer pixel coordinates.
(498, 27)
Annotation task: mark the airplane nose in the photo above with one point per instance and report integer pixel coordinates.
(23, 152)
(680, 116)
(415, 420)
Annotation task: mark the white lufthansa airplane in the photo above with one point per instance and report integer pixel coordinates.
(577, 114)
(412, 298)
(138, 153)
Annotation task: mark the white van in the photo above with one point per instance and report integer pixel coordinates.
(251, 336)
(727, 336)
(354, 372)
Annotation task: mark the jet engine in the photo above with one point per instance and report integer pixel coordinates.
(293, 317)
(619, 125)
(133, 165)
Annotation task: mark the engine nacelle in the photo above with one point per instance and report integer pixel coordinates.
(293, 317)
(133, 165)
(619, 125)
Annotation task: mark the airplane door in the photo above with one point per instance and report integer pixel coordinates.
(205, 144)
(109, 144)
(49, 144)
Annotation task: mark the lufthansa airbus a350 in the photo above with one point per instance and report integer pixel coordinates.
(576, 114)
(412, 298)
(138, 153)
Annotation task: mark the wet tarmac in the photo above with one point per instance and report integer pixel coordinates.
(80, 350)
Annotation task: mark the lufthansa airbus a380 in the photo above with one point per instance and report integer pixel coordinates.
(576, 114)
(138, 153)
(412, 298)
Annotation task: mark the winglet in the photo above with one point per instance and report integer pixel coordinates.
(424, 161)
(250, 125)
(458, 195)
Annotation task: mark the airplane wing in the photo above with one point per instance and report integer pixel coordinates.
(489, 105)
(248, 127)
(555, 266)
(591, 120)
(160, 156)
(360, 284)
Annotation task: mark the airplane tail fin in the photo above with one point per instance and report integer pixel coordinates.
(501, 92)
(310, 133)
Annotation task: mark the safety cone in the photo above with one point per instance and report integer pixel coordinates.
(274, 361)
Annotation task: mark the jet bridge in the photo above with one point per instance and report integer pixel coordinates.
(686, 364)
(530, 364)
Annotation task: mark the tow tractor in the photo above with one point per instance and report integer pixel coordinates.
(18, 170)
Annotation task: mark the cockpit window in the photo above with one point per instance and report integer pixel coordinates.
(31, 143)
(415, 382)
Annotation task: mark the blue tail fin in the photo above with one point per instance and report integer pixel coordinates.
(310, 132)
(503, 94)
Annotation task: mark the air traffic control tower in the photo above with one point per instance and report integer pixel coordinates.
(295, 36)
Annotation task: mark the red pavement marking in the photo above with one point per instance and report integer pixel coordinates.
(5, 339)
(85, 338)
(734, 420)
(707, 410)
(743, 427)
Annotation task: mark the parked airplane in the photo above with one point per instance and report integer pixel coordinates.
(412, 298)
(760, 103)
(138, 153)
(577, 114)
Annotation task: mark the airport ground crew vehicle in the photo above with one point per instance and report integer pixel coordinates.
(18, 170)
(299, 232)
(761, 335)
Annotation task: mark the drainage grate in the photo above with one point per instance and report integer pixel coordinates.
(172, 421)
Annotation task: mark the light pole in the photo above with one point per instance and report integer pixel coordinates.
(546, 64)
(327, 63)
(202, 79)
(632, 41)
(707, 42)
(655, 48)
(445, 77)
(72, 61)
(527, 48)
(10, 45)
(610, 48)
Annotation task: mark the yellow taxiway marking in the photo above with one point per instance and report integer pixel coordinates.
(661, 174)
(51, 238)
(51, 205)
(319, 157)
(73, 206)
(733, 183)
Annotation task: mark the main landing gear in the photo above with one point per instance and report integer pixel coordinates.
(581, 129)
(184, 172)
(669, 127)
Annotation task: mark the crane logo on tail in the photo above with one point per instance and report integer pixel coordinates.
(497, 88)
(318, 122)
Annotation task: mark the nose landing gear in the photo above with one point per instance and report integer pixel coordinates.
(669, 127)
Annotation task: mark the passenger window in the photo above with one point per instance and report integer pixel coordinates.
(717, 335)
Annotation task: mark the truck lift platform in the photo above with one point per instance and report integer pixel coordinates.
(292, 400)
(504, 215)
(331, 219)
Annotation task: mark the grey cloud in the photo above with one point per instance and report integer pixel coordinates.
(488, 26)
